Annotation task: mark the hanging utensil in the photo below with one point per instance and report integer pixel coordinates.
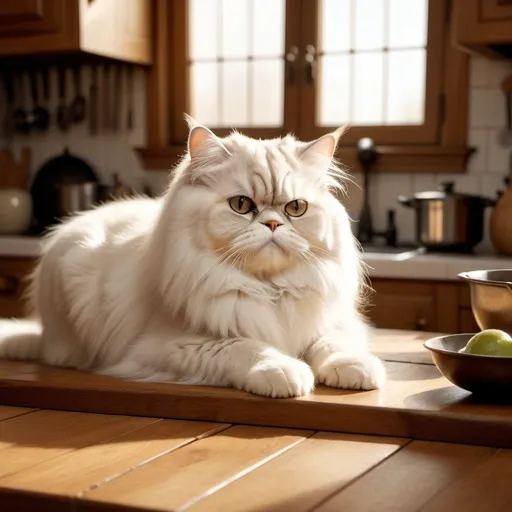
(39, 117)
(106, 104)
(117, 95)
(506, 134)
(8, 125)
(20, 115)
(93, 102)
(45, 78)
(62, 109)
(78, 106)
(129, 97)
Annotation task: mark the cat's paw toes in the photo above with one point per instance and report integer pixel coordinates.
(346, 371)
(280, 378)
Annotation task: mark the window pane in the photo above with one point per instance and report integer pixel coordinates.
(234, 94)
(362, 80)
(406, 90)
(334, 75)
(268, 27)
(204, 93)
(203, 23)
(334, 26)
(267, 89)
(368, 88)
(234, 28)
(237, 62)
(369, 24)
(408, 23)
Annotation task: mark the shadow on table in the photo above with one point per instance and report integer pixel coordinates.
(419, 357)
(403, 372)
(437, 399)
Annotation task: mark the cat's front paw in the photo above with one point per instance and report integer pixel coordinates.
(280, 378)
(348, 371)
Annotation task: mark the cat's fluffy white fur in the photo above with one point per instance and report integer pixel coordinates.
(184, 289)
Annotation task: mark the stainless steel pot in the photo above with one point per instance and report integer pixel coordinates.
(76, 197)
(447, 220)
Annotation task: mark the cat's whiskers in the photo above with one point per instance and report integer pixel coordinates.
(219, 261)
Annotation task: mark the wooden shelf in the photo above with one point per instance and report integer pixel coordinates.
(393, 159)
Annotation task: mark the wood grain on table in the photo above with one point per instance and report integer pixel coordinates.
(190, 466)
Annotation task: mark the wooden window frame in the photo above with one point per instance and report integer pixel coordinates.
(446, 128)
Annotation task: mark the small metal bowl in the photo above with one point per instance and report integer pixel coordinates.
(483, 375)
(491, 298)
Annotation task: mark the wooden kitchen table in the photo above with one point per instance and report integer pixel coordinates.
(74, 441)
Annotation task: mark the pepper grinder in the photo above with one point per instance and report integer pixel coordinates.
(367, 155)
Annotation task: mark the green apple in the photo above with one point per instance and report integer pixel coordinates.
(490, 342)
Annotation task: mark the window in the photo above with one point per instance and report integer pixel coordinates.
(268, 67)
(235, 64)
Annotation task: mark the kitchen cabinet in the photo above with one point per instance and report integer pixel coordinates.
(13, 285)
(421, 306)
(117, 29)
(403, 305)
(483, 26)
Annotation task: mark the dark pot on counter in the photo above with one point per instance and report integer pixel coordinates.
(77, 197)
(447, 220)
(64, 184)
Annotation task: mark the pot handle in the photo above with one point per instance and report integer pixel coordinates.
(406, 201)
(488, 202)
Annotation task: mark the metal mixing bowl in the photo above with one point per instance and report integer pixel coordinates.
(483, 375)
(491, 298)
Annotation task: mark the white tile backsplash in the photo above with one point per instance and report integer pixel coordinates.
(486, 108)
(388, 188)
(479, 72)
(478, 137)
(498, 155)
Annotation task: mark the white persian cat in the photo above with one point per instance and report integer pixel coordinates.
(244, 273)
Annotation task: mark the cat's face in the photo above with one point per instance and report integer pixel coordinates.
(264, 204)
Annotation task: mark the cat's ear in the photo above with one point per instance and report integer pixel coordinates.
(324, 146)
(204, 145)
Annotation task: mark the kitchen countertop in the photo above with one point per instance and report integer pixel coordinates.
(443, 267)
(20, 246)
(412, 266)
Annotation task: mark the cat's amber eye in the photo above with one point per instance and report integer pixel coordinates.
(242, 204)
(296, 208)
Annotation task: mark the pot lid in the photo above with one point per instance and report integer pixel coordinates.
(446, 189)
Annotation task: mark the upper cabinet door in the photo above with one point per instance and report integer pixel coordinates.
(236, 64)
(496, 9)
(120, 29)
(483, 26)
(30, 16)
(374, 66)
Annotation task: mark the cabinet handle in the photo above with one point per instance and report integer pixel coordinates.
(291, 64)
(310, 58)
(8, 284)
(421, 324)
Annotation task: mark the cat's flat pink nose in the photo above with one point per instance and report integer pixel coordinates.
(272, 225)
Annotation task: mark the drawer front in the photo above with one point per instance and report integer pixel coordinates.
(13, 284)
(467, 322)
(403, 305)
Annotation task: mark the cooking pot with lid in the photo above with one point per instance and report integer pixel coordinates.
(447, 220)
